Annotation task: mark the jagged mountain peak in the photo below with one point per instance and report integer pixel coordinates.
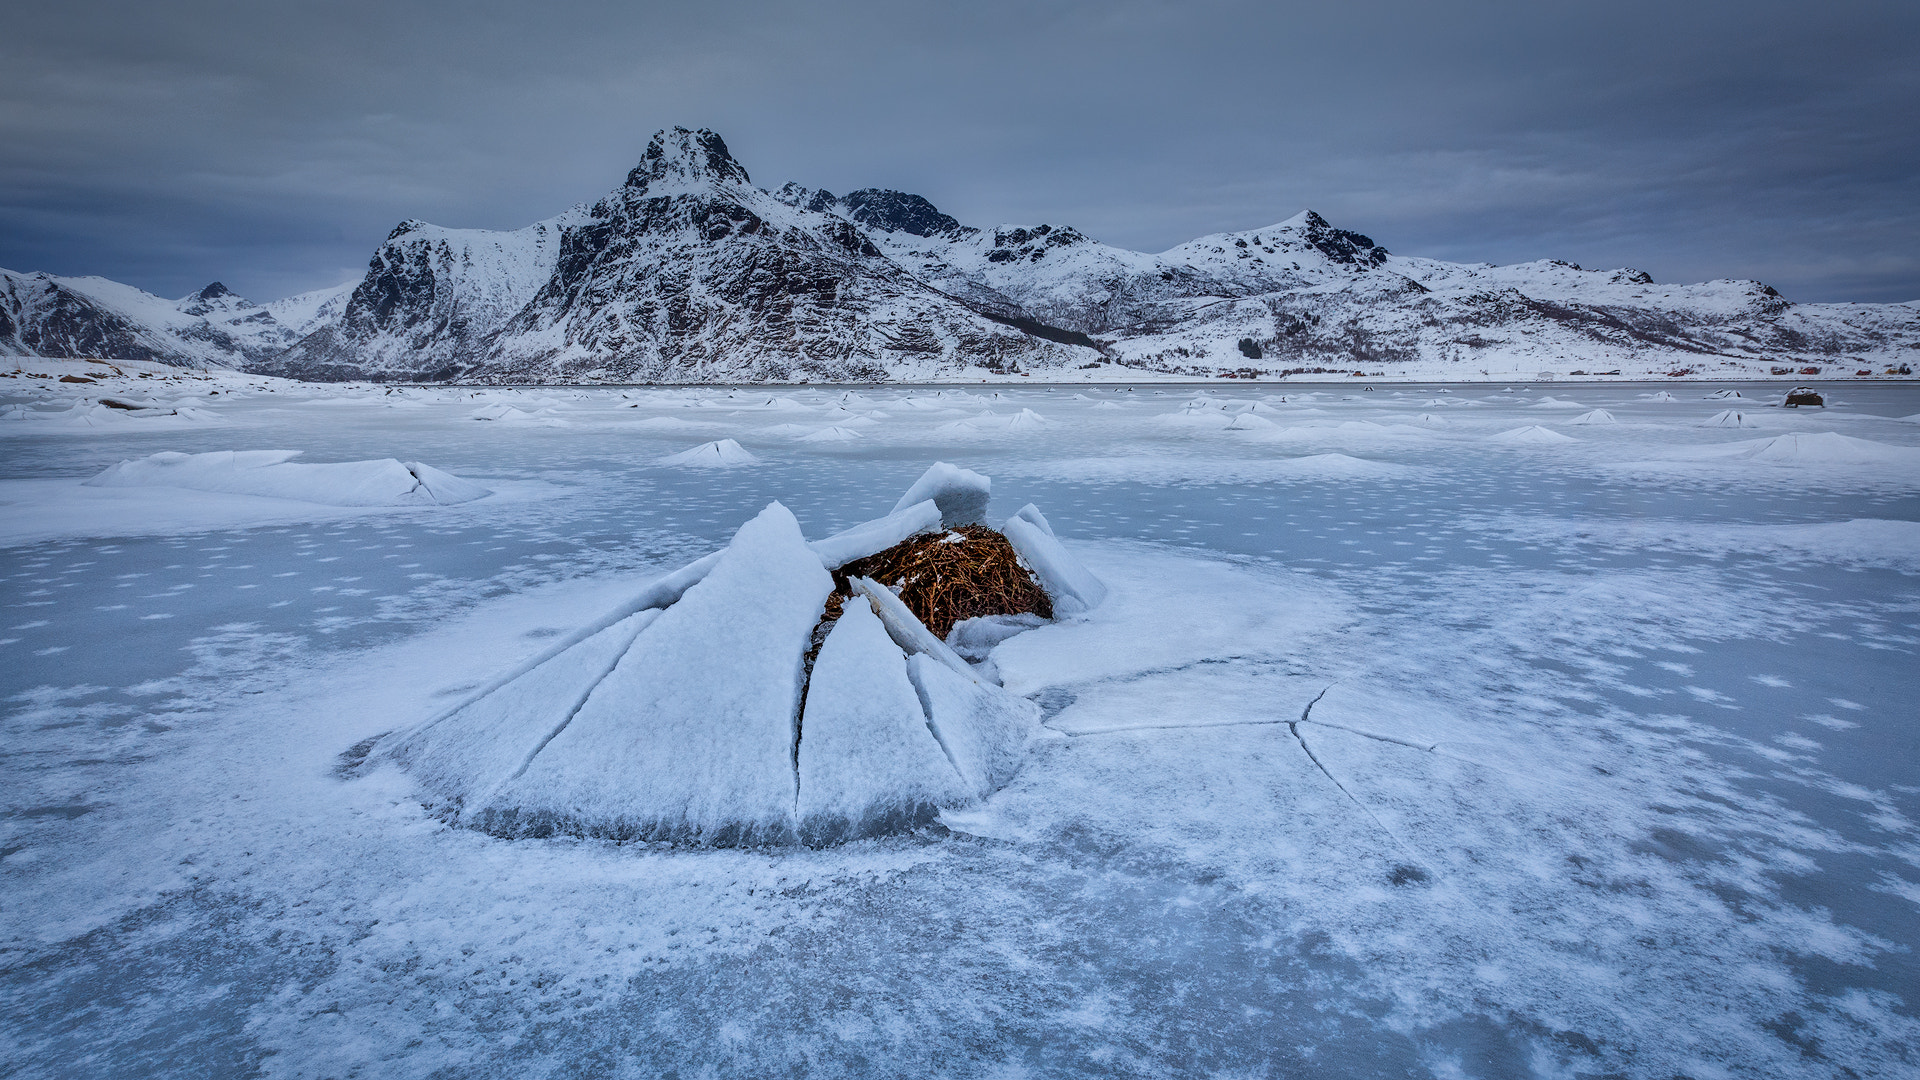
(677, 158)
(215, 298)
(1304, 234)
(802, 197)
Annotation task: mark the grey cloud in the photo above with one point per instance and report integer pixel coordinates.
(272, 147)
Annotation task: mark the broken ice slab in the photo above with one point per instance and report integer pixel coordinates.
(868, 762)
(961, 494)
(721, 453)
(872, 537)
(983, 729)
(691, 737)
(466, 754)
(975, 638)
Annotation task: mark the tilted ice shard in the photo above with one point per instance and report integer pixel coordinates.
(691, 736)
(868, 762)
(1071, 586)
(878, 535)
(961, 494)
(906, 629)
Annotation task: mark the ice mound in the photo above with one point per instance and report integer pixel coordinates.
(767, 693)
(1597, 416)
(835, 433)
(1660, 395)
(1728, 418)
(1532, 434)
(1248, 421)
(1825, 448)
(1722, 395)
(721, 453)
(384, 482)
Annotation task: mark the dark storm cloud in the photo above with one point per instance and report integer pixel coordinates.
(272, 148)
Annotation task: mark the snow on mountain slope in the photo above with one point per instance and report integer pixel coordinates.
(305, 312)
(45, 315)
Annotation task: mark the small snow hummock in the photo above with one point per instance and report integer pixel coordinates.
(1531, 434)
(383, 482)
(1728, 418)
(1597, 416)
(721, 453)
(692, 715)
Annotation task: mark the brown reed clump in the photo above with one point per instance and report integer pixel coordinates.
(955, 574)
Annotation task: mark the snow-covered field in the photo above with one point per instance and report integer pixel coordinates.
(1457, 731)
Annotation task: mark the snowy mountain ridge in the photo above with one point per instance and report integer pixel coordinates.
(687, 272)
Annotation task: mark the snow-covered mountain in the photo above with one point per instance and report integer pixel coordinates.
(45, 315)
(687, 272)
(1303, 294)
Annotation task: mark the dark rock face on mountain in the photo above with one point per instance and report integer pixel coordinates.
(897, 211)
(689, 273)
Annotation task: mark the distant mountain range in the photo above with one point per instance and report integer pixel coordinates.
(687, 272)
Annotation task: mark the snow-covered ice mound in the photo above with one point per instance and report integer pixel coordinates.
(1732, 418)
(507, 414)
(1532, 434)
(1824, 448)
(1597, 416)
(720, 453)
(382, 482)
(691, 713)
(835, 433)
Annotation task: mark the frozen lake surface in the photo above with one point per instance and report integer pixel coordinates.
(1428, 731)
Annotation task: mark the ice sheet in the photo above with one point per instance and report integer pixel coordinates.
(1606, 769)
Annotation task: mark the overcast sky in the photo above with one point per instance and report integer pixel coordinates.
(273, 146)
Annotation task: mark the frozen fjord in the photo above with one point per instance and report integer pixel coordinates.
(1609, 766)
